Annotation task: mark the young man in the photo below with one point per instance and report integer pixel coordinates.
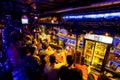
(70, 72)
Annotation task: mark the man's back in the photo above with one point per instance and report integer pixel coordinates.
(70, 74)
(75, 74)
(52, 74)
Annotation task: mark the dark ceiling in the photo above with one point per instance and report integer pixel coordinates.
(41, 6)
(18, 7)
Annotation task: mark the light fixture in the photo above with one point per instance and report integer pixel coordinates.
(35, 17)
(106, 34)
(102, 15)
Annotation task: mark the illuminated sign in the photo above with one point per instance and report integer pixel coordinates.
(24, 19)
(100, 38)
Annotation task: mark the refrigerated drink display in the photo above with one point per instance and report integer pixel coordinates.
(99, 53)
(95, 49)
(88, 51)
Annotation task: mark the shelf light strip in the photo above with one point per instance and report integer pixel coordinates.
(103, 15)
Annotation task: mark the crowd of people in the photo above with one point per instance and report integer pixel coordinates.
(34, 59)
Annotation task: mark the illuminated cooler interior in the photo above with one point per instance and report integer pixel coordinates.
(95, 49)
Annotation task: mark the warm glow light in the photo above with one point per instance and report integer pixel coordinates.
(35, 17)
(58, 54)
(106, 34)
(54, 18)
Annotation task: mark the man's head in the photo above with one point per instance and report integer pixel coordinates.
(70, 60)
(52, 58)
(33, 50)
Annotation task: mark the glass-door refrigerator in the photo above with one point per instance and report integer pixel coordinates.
(98, 56)
(88, 51)
(95, 49)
